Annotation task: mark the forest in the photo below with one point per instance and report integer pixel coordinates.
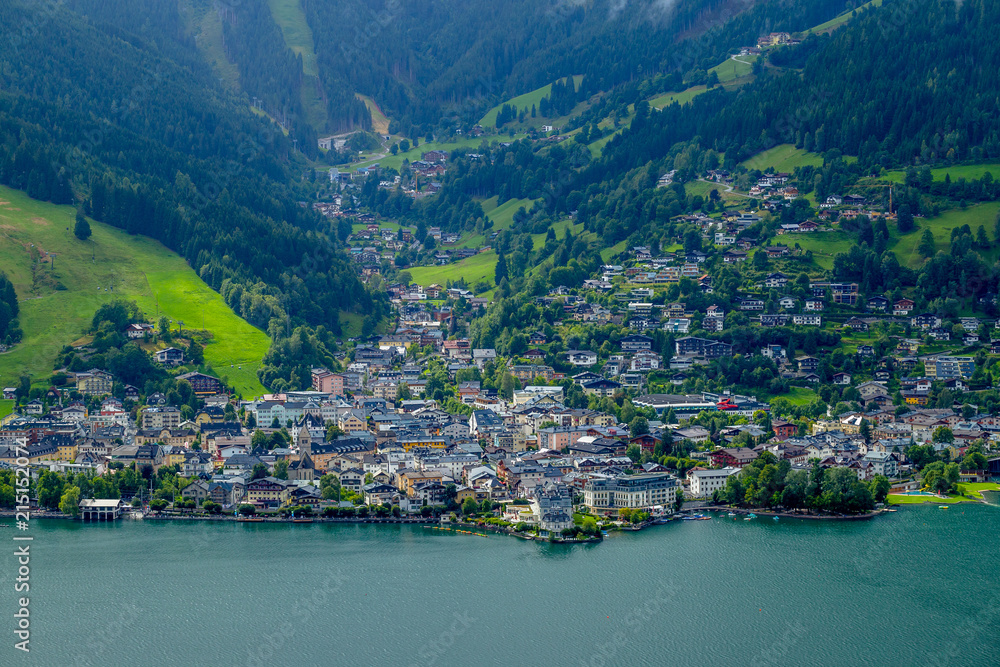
(10, 330)
(92, 113)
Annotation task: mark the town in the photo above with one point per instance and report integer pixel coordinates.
(539, 438)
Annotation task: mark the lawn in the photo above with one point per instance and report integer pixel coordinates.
(206, 28)
(702, 188)
(969, 488)
(785, 157)
(900, 499)
(967, 171)
(351, 324)
(681, 98)
(598, 146)
(522, 102)
(6, 407)
(473, 269)
(58, 304)
(799, 396)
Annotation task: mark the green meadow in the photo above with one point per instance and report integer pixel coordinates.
(734, 68)
(522, 102)
(826, 245)
(842, 19)
(967, 171)
(681, 98)
(785, 157)
(475, 268)
(58, 303)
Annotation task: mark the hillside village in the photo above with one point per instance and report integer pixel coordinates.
(420, 422)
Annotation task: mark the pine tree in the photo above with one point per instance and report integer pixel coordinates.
(501, 270)
(926, 247)
(82, 227)
(904, 219)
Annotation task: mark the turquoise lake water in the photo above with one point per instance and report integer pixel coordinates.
(918, 587)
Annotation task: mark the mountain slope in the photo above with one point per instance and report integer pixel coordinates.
(99, 113)
(60, 294)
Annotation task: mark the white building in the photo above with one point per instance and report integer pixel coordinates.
(703, 483)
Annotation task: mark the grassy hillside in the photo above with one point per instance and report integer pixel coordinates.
(502, 217)
(734, 68)
(473, 269)
(967, 171)
(6, 407)
(291, 18)
(58, 304)
(785, 157)
(682, 97)
(380, 123)
(521, 102)
(203, 22)
(840, 20)
(826, 245)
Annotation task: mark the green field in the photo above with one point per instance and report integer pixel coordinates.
(799, 396)
(783, 158)
(6, 407)
(681, 98)
(906, 246)
(503, 215)
(967, 171)
(473, 269)
(608, 253)
(136, 267)
(522, 102)
(598, 146)
(734, 68)
(842, 19)
(968, 488)
(560, 231)
(824, 245)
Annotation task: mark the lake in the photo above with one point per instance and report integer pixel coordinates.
(918, 587)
